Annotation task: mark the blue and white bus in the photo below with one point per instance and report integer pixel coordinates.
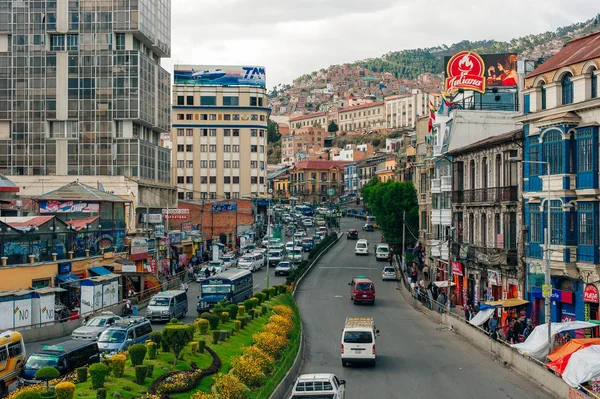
(305, 210)
(234, 286)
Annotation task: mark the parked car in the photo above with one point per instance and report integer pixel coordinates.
(95, 326)
(352, 234)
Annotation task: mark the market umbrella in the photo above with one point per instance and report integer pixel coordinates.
(560, 357)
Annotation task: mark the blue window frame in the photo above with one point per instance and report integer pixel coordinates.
(556, 223)
(536, 230)
(587, 238)
(594, 84)
(567, 89)
(587, 154)
(553, 151)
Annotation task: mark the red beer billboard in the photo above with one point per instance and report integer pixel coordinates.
(468, 70)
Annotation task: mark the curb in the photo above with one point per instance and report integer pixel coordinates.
(288, 380)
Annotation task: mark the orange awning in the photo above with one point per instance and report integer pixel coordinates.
(560, 357)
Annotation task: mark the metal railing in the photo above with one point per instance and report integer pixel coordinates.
(486, 195)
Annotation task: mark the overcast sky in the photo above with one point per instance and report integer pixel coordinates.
(294, 37)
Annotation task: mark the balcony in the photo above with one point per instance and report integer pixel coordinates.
(487, 256)
(439, 250)
(446, 183)
(436, 186)
(486, 195)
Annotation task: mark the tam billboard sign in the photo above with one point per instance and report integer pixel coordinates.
(219, 75)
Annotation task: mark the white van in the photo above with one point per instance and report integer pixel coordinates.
(358, 341)
(361, 247)
(382, 252)
(252, 262)
(321, 386)
(166, 305)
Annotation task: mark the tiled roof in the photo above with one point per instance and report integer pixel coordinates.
(76, 191)
(307, 116)
(23, 223)
(578, 50)
(79, 224)
(362, 106)
(321, 165)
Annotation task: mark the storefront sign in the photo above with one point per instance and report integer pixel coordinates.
(494, 277)
(153, 218)
(153, 265)
(457, 268)
(557, 295)
(69, 207)
(224, 207)
(64, 267)
(139, 248)
(176, 213)
(590, 294)
(465, 70)
(186, 226)
(129, 268)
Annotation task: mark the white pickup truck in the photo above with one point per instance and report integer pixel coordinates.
(319, 386)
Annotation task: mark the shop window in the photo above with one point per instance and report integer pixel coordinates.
(40, 283)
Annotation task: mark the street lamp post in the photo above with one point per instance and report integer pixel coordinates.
(269, 234)
(548, 284)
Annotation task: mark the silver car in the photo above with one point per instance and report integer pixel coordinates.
(389, 273)
(95, 326)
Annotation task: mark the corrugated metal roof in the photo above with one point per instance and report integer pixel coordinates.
(488, 142)
(578, 50)
(76, 191)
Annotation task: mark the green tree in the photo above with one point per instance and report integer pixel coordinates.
(273, 135)
(332, 127)
(388, 202)
(177, 336)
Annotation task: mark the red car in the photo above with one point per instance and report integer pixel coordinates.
(362, 289)
(352, 234)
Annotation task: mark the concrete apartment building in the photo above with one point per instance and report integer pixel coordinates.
(219, 139)
(362, 118)
(403, 110)
(83, 96)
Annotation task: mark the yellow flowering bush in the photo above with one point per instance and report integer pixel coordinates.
(283, 311)
(118, 365)
(248, 370)
(202, 395)
(270, 342)
(31, 388)
(264, 360)
(284, 323)
(228, 386)
(64, 390)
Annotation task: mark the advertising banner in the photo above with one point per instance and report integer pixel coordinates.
(109, 293)
(176, 213)
(494, 277)
(87, 298)
(22, 312)
(224, 207)
(69, 207)
(590, 294)
(219, 75)
(114, 291)
(468, 70)
(457, 268)
(139, 248)
(153, 218)
(46, 303)
(6, 308)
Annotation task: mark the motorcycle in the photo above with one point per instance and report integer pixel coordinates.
(127, 309)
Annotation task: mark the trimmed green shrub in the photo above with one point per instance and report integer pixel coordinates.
(101, 393)
(233, 311)
(82, 374)
(64, 390)
(194, 348)
(48, 395)
(202, 326)
(165, 346)
(149, 370)
(28, 395)
(260, 296)
(248, 305)
(241, 311)
(215, 336)
(251, 313)
(140, 374)
(152, 349)
(218, 309)
(272, 292)
(98, 373)
(224, 317)
(255, 302)
(266, 293)
(281, 288)
(156, 338)
(177, 336)
(137, 353)
(201, 345)
(263, 310)
(213, 319)
(174, 320)
(237, 325)
(47, 373)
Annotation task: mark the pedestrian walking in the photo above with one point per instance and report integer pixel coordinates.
(442, 301)
(467, 313)
(426, 272)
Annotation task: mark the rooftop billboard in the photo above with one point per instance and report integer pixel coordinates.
(219, 75)
(469, 71)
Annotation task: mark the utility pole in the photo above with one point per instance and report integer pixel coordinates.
(403, 233)
(268, 234)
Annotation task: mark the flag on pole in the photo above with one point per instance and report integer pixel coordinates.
(431, 116)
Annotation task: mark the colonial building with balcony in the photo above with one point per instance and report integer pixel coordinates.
(311, 180)
(560, 126)
(486, 213)
(351, 179)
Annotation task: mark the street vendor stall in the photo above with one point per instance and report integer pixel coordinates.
(99, 292)
(487, 309)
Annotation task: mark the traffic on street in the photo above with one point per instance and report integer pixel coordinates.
(412, 358)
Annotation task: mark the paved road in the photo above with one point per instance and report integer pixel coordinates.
(416, 358)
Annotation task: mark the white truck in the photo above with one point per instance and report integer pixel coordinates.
(319, 386)
(358, 341)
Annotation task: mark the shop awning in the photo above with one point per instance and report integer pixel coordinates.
(482, 316)
(507, 303)
(443, 284)
(66, 278)
(100, 271)
(49, 290)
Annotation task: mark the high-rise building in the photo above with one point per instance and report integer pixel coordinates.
(219, 132)
(82, 94)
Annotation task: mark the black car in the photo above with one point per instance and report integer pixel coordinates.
(368, 227)
(352, 235)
